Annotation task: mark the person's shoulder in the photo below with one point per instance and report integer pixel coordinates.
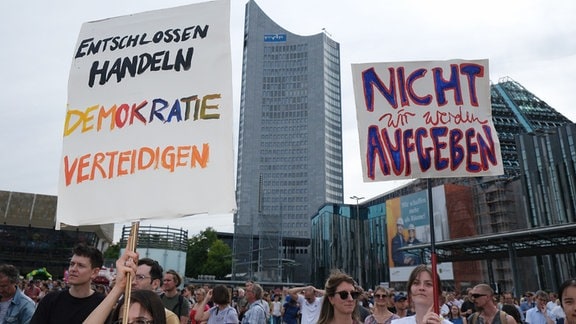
(53, 295)
(231, 313)
(171, 318)
(97, 296)
(185, 301)
(21, 298)
(405, 320)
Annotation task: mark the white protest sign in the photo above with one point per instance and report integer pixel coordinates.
(149, 122)
(425, 120)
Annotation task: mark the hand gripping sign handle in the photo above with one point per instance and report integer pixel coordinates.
(130, 246)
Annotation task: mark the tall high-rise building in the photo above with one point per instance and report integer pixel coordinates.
(290, 141)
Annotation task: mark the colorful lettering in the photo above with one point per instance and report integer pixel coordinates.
(108, 165)
(118, 116)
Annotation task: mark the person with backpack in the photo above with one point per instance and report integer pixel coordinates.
(487, 311)
(172, 299)
(256, 313)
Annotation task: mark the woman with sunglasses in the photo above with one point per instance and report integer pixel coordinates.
(380, 313)
(340, 305)
(421, 295)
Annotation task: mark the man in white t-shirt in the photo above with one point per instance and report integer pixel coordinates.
(310, 300)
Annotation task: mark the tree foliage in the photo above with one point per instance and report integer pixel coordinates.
(219, 261)
(112, 252)
(206, 257)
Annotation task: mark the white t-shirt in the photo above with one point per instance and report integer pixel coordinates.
(310, 311)
(412, 320)
(276, 308)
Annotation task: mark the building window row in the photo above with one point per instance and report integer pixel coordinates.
(286, 48)
(285, 114)
(299, 78)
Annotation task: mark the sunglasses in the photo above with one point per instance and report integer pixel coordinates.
(381, 296)
(344, 294)
(477, 295)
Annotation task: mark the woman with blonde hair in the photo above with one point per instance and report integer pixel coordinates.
(340, 305)
(380, 313)
(199, 294)
(421, 294)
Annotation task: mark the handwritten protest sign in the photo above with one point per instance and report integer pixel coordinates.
(425, 120)
(148, 129)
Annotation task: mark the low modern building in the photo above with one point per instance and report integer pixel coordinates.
(30, 240)
(166, 245)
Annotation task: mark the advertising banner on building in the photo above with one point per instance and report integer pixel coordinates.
(409, 224)
(425, 120)
(149, 122)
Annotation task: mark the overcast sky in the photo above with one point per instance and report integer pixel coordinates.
(531, 42)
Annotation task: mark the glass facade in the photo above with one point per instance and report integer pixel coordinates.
(548, 163)
(538, 189)
(290, 142)
(351, 238)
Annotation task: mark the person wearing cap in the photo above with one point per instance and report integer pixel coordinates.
(398, 257)
(401, 305)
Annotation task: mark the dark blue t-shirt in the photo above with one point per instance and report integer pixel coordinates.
(290, 313)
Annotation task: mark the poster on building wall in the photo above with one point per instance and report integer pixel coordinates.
(149, 122)
(409, 225)
(425, 120)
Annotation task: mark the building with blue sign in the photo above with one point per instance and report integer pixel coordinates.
(289, 146)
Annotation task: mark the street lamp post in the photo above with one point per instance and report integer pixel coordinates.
(358, 253)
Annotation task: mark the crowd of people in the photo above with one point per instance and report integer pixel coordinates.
(156, 298)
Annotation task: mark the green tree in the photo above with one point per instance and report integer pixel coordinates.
(219, 262)
(197, 254)
(112, 252)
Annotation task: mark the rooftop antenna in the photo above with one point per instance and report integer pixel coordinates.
(326, 32)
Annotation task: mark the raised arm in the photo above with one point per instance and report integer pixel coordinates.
(293, 292)
(201, 315)
(127, 263)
